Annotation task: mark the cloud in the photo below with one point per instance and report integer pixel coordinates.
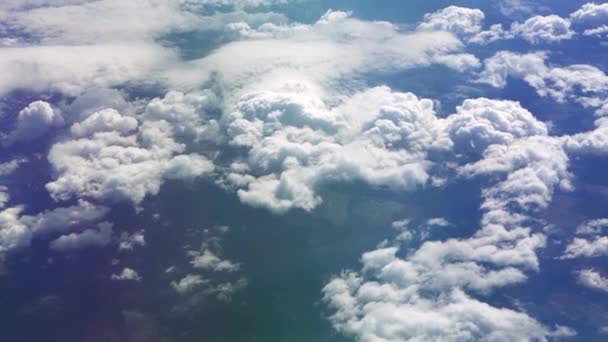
(33, 122)
(433, 292)
(187, 284)
(100, 237)
(127, 274)
(538, 29)
(129, 242)
(327, 54)
(479, 123)
(209, 261)
(18, 230)
(580, 83)
(462, 21)
(593, 227)
(592, 279)
(591, 13)
(72, 69)
(107, 120)
(9, 167)
(588, 248)
(112, 156)
(295, 143)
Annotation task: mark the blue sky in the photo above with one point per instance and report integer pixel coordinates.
(293, 170)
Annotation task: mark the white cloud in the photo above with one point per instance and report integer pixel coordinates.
(598, 31)
(586, 248)
(187, 284)
(9, 167)
(581, 83)
(100, 237)
(325, 53)
(538, 29)
(18, 230)
(593, 279)
(120, 159)
(210, 261)
(129, 241)
(72, 69)
(33, 122)
(479, 123)
(462, 21)
(127, 274)
(591, 13)
(107, 120)
(295, 142)
(593, 227)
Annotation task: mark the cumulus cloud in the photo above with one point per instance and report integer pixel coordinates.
(33, 122)
(593, 279)
(17, 230)
(593, 17)
(479, 123)
(467, 24)
(537, 29)
(581, 83)
(394, 298)
(187, 284)
(100, 237)
(9, 167)
(462, 21)
(591, 13)
(590, 240)
(127, 274)
(115, 157)
(295, 142)
(128, 242)
(209, 261)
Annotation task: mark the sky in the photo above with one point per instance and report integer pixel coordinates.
(303, 170)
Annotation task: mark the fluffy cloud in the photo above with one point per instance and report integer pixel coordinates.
(9, 167)
(113, 156)
(295, 142)
(187, 284)
(100, 237)
(593, 279)
(127, 274)
(589, 241)
(343, 46)
(582, 83)
(462, 21)
(551, 28)
(591, 13)
(396, 298)
(128, 242)
(18, 230)
(209, 261)
(536, 30)
(33, 122)
(479, 123)
(593, 17)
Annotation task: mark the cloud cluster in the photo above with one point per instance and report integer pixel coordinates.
(467, 24)
(100, 237)
(127, 274)
(116, 157)
(436, 291)
(592, 279)
(591, 240)
(580, 83)
(17, 229)
(33, 122)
